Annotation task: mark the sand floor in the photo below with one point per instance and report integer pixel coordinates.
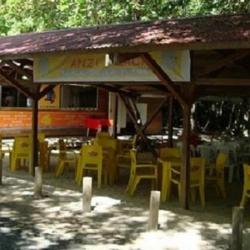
(117, 221)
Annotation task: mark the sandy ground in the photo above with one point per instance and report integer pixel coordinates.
(117, 221)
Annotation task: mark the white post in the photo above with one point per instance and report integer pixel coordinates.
(86, 194)
(154, 210)
(38, 182)
(237, 228)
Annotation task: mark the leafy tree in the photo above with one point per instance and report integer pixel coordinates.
(18, 16)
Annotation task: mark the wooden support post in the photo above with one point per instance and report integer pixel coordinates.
(163, 77)
(137, 113)
(86, 194)
(34, 161)
(38, 182)
(170, 121)
(237, 228)
(1, 167)
(185, 170)
(139, 131)
(154, 210)
(115, 117)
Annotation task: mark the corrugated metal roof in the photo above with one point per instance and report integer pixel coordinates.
(206, 31)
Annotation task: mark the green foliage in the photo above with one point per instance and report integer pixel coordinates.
(18, 16)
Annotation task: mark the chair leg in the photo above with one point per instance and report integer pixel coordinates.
(78, 172)
(230, 173)
(99, 177)
(221, 186)
(169, 190)
(134, 185)
(79, 177)
(202, 196)
(130, 182)
(60, 168)
(13, 164)
(244, 198)
(193, 194)
(165, 185)
(179, 192)
(112, 173)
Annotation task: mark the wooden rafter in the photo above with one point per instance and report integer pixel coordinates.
(163, 77)
(224, 62)
(19, 69)
(139, 131)
(137, 113)
(119, 58)
(170, 121)
(115, 89)
(155, 113)
(130, 110)
(222, 82)
(133, 116)
(16, 84)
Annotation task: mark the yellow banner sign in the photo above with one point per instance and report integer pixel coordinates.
(94, 68)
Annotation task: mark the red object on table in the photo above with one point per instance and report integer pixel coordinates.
(96, 123)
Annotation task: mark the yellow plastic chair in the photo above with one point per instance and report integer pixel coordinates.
(246, 187)
(170, 153)
(197, 178)
(140, 171)
(4, 147)
(217, 174)
(109, 147)
(66, 158)
(44, 155)
(21, 152)
(41, 137)
(103, 135)
(167, 157)
(123, 159)
(91, 160)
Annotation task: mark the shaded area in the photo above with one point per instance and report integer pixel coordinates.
(117, 221)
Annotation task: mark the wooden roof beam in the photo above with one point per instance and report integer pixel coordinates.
(19, 69)
(115, 89)
(224, 62)
(163, 77)
(16, 84)
(155, 113)
(222, 82)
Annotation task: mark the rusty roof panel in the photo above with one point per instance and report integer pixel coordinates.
(184, 32)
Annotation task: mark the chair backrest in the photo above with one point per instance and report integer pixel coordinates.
(197, 170)
(91, 154)
(106, 143)
(246, 169)
(220, 162)
(123, 147)
(44, 154)
(170, 152)
(62, 148)
(103, 135)
(41, 137)
(22, 144)
(43, 147)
